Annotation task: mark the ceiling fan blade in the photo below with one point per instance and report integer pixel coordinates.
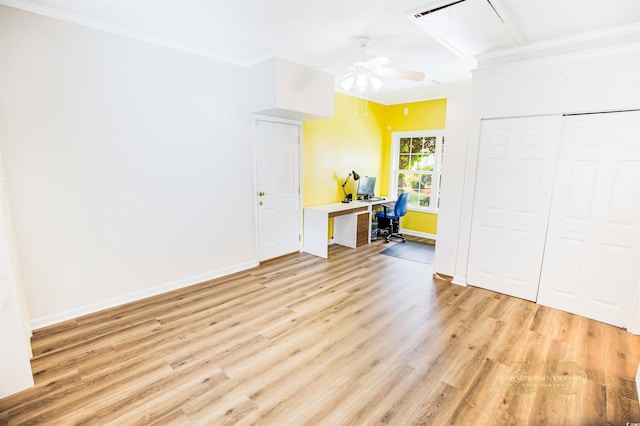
(398, 73)
(349, 74)
(378, 61)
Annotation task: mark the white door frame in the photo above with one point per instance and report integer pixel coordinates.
(254, 119)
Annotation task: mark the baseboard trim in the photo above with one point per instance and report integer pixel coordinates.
(132, 297)
(459, 281)
(417, 234)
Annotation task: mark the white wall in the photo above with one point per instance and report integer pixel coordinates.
(457, 127)
(15, 349)
(599, 80)
(15, 333)
(128, 165)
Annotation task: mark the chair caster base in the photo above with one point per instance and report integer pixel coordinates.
(395, 235)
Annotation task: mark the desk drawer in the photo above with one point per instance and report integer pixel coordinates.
(362, 234)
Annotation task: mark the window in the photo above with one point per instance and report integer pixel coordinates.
(416, 167)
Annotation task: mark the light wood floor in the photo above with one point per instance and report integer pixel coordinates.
(359, 339)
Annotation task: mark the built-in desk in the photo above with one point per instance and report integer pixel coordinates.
(350, 225)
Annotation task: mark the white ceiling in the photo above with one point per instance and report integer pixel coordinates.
(322, 33)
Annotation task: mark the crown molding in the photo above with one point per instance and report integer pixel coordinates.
(50, 12)
(632, 47)
(613, 37)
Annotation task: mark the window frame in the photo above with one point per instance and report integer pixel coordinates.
(436, 173)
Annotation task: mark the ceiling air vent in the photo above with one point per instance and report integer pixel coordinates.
(467, 27)
(426, 12)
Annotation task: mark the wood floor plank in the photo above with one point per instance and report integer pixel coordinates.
(551, 408)
(438, 406)
(224, 405)
(486, 389)
(359, 338)
(161, 398)
(621, 354)
(593, 410)
(591, 334)
(621, 410)
(86, 393)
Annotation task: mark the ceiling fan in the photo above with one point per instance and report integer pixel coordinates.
(365, 73)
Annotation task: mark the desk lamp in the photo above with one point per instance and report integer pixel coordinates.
(349, 197)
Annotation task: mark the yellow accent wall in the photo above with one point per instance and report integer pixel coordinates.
(333, 147)
(425, 115)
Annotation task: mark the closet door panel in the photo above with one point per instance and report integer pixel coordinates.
(514, 182)
(592, 256)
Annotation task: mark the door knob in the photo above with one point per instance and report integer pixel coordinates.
(261, 193)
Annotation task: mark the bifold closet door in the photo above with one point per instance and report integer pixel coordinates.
(514, 181)
(592, 257)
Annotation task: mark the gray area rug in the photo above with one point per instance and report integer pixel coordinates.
(412, 250)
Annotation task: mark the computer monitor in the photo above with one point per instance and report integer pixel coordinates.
(366, 186)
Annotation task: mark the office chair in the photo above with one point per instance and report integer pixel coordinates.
(392, 219)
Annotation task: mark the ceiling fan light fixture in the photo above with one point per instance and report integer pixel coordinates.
(347, 83)
(376, 83)
(361, 81)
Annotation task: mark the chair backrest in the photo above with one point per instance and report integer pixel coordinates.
(400, 209)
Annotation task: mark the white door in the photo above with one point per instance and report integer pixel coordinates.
(278, 184)
(514, 181)
(592, 259)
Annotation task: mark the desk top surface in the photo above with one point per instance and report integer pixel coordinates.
(336, 207)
